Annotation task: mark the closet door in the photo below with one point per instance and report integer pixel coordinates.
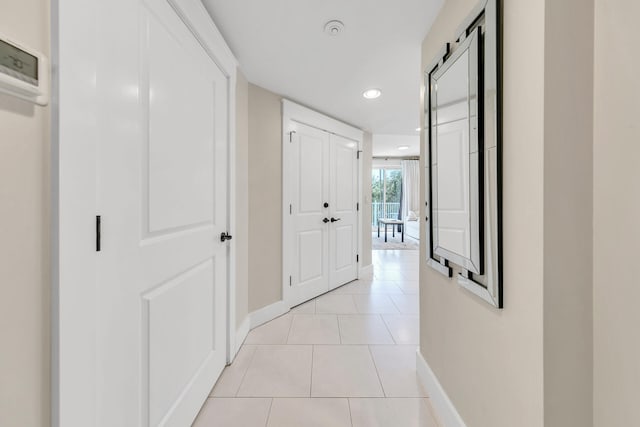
(309, 172)
(162, 191)
(343, 206)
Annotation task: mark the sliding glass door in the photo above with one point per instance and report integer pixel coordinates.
(386, 193)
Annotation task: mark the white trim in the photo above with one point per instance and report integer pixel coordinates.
(240, 336)
(231, 182)
(365, 271)
(196, 16)
(286, 216)
(265, 314)
(318, 120)
(360, 216)
(445, 412)
(73, 373)
(292, 112)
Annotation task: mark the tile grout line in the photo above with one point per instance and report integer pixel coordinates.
(395, 305)
(253, 355)
(286, 341)
(384, 322)
(266, 422)
(350, 413)
(353, 300)
(313, 349)
(375, 365)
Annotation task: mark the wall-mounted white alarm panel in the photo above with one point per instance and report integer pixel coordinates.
(24, 72)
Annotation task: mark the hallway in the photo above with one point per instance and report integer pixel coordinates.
(346, 358)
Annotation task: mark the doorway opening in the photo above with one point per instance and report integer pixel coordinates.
(395, 205)
(386, 192)
(395, 229)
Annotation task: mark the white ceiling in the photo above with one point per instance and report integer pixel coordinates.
(281, 46)
(387, 145)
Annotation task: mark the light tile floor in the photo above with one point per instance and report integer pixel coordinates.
(346, 358)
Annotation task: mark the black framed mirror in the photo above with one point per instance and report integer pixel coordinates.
(463, 145)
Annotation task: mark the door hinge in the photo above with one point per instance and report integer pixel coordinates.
(358, 154)
(357, 258)
(357, 206)
(290, 209)
(98, 232)
(291, 135)
(290, 280)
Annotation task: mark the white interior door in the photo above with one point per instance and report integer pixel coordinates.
(453, 207)
(322, 174)
(309, 169)
(162, 195)
(343, 205)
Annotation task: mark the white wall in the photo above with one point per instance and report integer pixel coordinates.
(616, 200)
(24, 236)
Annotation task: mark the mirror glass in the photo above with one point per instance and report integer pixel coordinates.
(452, 160)
(455, 159)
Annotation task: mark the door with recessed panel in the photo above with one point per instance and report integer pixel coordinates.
(343, 206)
(309, 240)
(162, 197)
(323, 210)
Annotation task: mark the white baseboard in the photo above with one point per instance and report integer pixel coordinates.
(446, 413)
(241, 334)
(365, 271)
(267, 313)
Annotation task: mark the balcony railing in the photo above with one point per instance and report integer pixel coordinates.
(383, 210)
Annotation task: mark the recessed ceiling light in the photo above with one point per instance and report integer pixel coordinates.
(372, 93)
(403, 147)
(418, 129)
(333, 28)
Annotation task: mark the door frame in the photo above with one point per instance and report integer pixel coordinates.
(296, 113)
(73, 203)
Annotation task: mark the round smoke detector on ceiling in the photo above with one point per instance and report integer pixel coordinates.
(333, 28)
